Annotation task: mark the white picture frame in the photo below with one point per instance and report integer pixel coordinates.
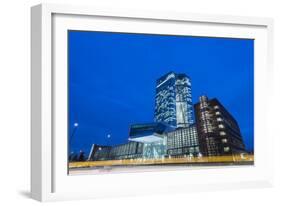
(49, 179)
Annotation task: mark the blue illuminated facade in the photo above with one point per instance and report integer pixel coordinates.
(173, 101)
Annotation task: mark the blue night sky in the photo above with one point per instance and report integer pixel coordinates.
(112, 78)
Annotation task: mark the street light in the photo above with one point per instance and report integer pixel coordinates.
(72, 135)
(108, 136)
(73, 132)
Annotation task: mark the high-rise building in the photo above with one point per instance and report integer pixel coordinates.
(173, 102)
(218, 131)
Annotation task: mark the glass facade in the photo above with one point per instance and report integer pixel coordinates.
(173, 102)
(170, 142)
(183, 142)
(99, 152)
(154, 150)
(152, 135)
(130, 150)
(139, 130)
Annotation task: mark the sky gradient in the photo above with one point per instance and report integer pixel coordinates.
(112, 78)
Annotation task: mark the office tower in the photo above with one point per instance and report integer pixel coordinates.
(218, 131)
(173, 102)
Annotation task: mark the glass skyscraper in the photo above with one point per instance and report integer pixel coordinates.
(173, 101)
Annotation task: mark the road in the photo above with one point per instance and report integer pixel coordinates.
(148, 168)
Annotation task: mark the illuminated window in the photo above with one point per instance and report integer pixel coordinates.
(221, 126)
(224, 140)
(226, 149)
(218, 113)
(222, 133)
(216, 107)
(219, 119)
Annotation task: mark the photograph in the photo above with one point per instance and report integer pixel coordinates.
(145, 102)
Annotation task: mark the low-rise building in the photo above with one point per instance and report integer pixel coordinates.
(183, 142)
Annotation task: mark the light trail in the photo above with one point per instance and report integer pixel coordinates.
(169, 161)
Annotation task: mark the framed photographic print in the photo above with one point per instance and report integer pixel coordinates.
(135, 102)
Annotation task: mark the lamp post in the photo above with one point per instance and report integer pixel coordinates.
(73, 132)
(108, 136)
